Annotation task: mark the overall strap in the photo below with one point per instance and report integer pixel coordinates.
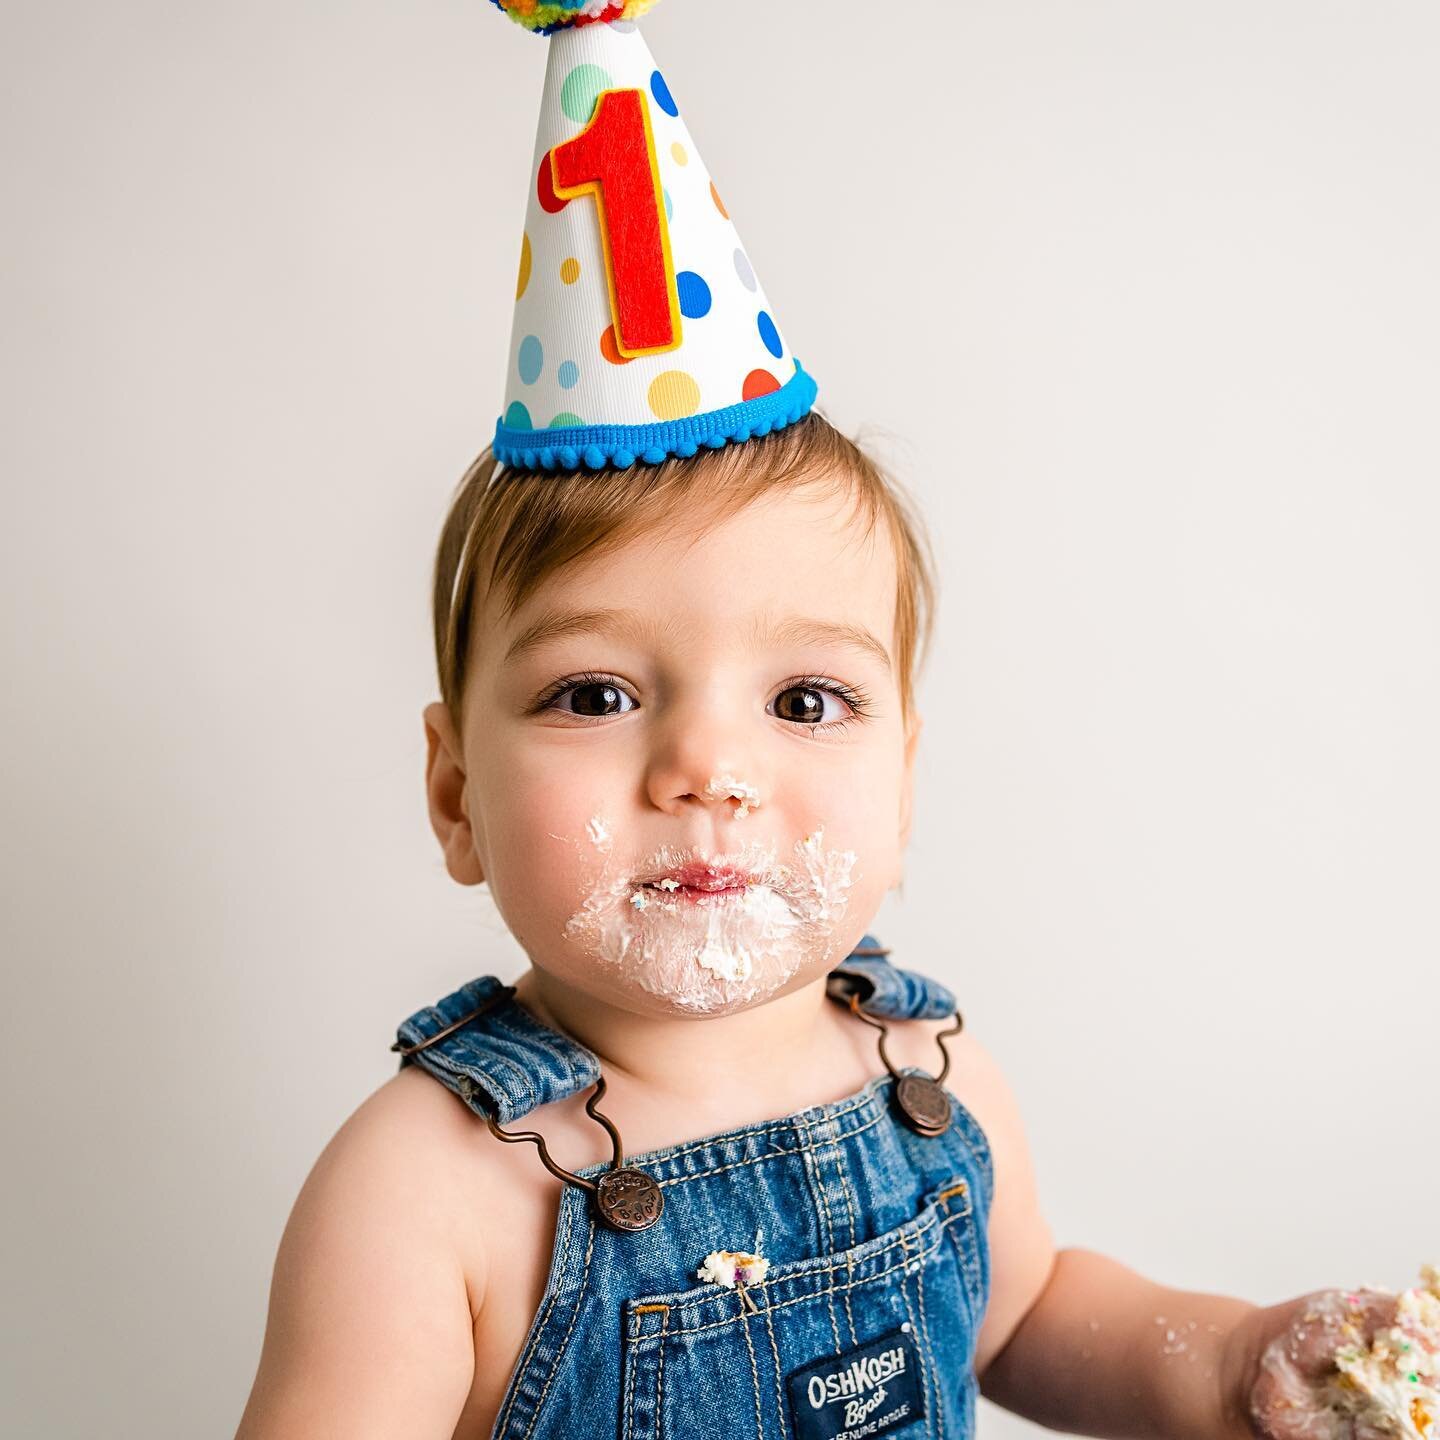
(501, 1061)
(885, 989)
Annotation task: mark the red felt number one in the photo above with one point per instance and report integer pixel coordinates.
(613, 158)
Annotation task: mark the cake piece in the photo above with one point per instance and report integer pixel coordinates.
(1392, 1386)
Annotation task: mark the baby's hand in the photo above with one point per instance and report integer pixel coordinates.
(1291, 1383)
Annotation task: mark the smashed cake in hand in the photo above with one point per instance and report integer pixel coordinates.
(1362, 1365)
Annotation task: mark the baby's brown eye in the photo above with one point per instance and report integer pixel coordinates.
(801, 704)
(596, 699)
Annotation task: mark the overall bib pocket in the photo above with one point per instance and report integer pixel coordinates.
(872, 1341)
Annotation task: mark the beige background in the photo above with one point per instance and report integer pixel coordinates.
(1144, 302)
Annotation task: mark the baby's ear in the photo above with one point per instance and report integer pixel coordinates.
(907, 786)
(445, 791)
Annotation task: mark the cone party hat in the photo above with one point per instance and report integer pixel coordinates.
(641, 330)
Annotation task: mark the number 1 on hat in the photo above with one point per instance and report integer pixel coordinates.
(613, 158)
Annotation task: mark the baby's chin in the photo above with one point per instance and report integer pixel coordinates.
(689, 982)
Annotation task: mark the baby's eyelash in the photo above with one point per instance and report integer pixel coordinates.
(855, 696)
(570, 682)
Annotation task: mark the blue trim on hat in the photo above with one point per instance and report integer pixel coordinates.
(597, 446)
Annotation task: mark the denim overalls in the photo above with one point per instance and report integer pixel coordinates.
(865, 1323)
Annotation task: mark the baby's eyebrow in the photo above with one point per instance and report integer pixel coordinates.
(628, 624)
(798, 630)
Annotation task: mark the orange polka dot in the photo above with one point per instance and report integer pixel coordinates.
(525, 262)
(610, 350)
(719, 203)
(758, 383)
(570, 270)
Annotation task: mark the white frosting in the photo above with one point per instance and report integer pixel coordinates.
(726, 1267)
(724, 786)
(717, 953)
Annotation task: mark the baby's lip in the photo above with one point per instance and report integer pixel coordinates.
(698, 875)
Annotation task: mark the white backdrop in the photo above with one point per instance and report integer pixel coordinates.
(1141, 299)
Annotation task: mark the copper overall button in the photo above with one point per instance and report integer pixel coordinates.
(629, 1199)
(923, 1101)
(924, 1104)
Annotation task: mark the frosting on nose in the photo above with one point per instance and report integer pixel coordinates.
(727, 786)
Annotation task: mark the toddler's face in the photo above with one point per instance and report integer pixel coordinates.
(686, 778)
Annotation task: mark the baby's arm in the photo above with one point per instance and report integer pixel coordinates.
(1071, 1339)
(369, 1333)
(1107, 1352)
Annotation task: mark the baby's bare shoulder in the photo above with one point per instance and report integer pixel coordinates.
(428, 1141)
(372, 1301)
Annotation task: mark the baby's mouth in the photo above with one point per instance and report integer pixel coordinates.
(695, 894)
(699, 883)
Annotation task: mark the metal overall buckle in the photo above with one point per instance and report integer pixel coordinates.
(923, 1102)
(626, 1198)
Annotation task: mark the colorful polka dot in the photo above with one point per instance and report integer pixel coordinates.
(758, 383)
(769, 334)
(581, 89)
(531, 359)
(610, 350)
(673, 395)
(517, 417)
(550, 202)
(719, 203)
(694, 295)
(526, 259)
(570, 270)
(568, 375)
(564, 420)
(677, 153)
(743, 270)
(661, 91)
(669, 208)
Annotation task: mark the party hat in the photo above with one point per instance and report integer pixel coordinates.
(641, 330)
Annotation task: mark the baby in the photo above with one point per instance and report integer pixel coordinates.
(677, 743)
(679, 619)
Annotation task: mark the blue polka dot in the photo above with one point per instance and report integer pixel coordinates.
(517, 417)
(694, 295)
(661, 91)
(769, 334)
(569, 375)
(669, 208)
(532, 359)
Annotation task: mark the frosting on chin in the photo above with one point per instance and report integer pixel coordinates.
(713, 955)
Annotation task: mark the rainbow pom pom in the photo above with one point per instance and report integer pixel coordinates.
(547, 16)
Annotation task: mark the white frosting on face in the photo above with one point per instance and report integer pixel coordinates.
(725, 786)
(717, 953)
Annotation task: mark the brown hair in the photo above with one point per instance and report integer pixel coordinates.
(509, 530)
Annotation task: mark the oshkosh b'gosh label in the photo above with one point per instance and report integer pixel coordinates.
(862, 1393)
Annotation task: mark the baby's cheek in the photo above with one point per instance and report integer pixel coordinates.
(546, 846)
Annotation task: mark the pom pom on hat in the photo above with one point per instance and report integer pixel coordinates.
(547, 16)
